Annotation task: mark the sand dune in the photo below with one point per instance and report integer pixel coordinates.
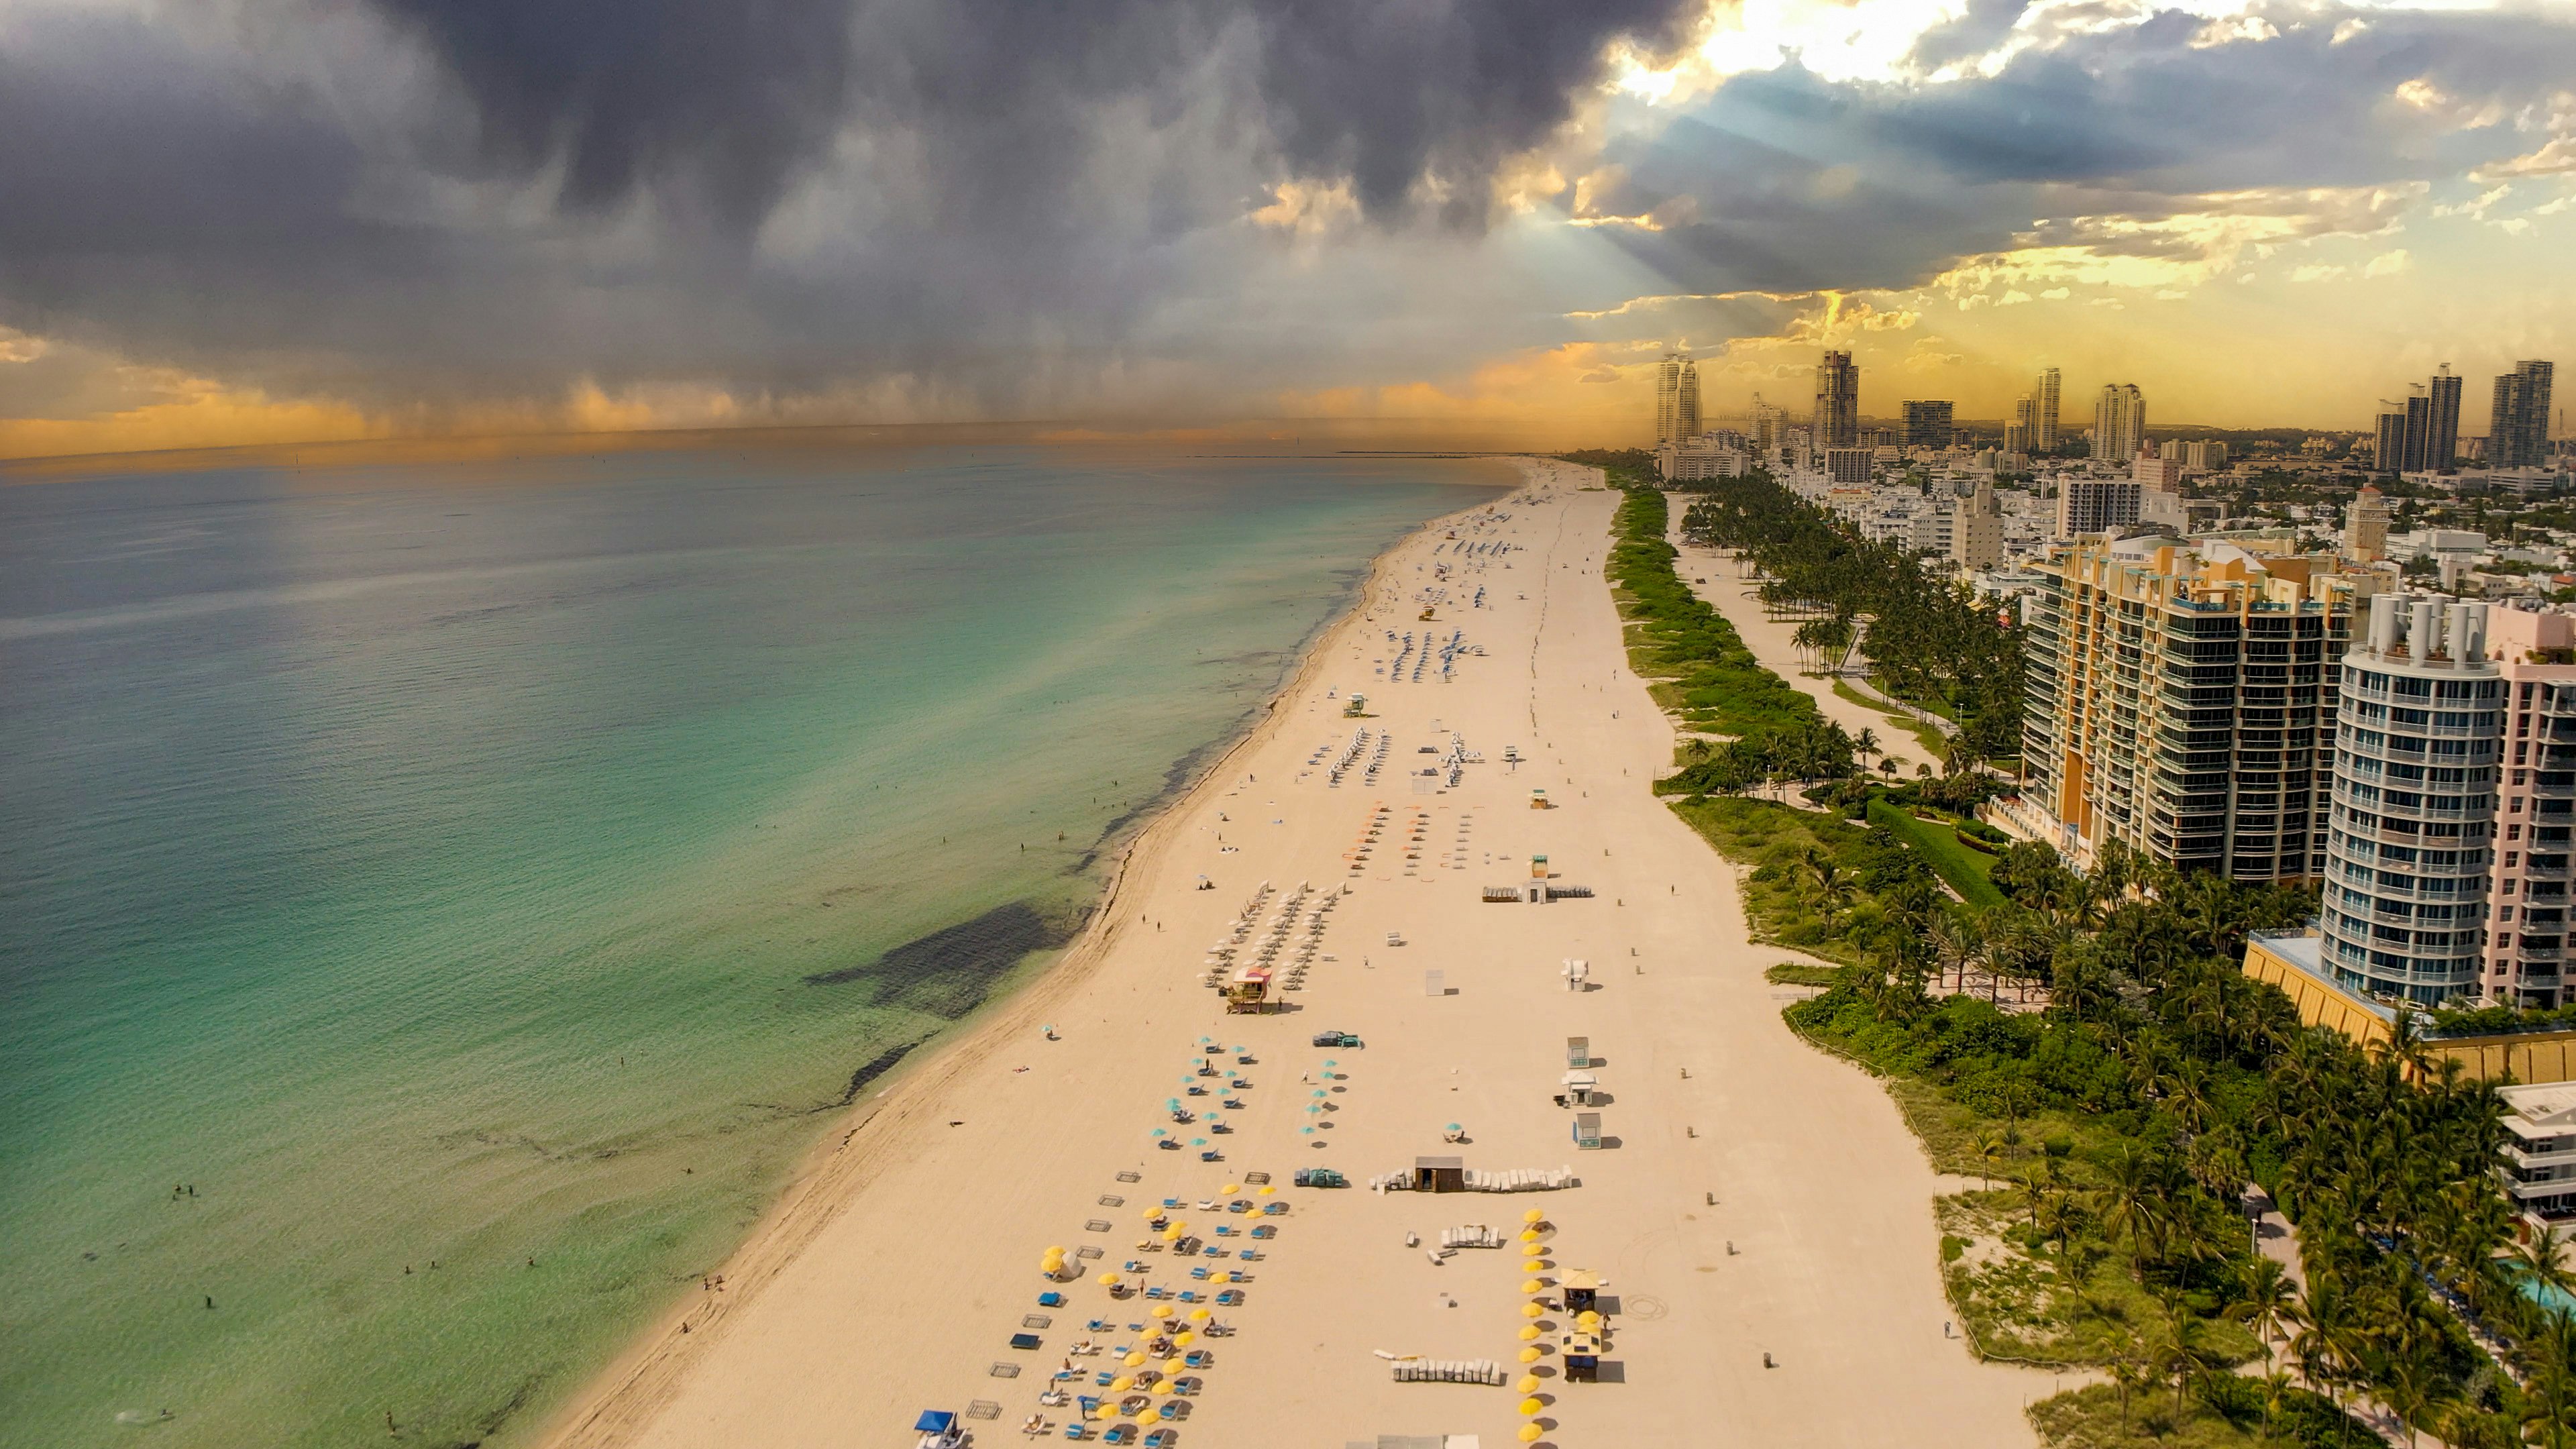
(1753, 1196)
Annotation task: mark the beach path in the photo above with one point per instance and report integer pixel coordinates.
(1752, 1196)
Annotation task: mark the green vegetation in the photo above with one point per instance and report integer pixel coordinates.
(1799, 973)
(2114, 1119)
(1935, 744)
(1928, 642)
(1960, 868)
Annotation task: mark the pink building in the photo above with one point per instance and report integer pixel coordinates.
(2535, 807)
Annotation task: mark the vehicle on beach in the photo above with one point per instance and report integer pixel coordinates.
(1336, 1039)
(1320, 1177)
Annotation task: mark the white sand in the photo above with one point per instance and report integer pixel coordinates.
(894, 1274)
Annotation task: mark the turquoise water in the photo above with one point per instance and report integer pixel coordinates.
(510, 865)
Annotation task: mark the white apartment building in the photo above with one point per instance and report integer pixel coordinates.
(2539, 1166)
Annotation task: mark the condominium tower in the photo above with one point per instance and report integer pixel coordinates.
(2044, 437)
(2535, 812)
(1929, 424)
(2415, 770)
(2181, 702)
(1837, 402)
(1676, 399)
(2518, 434)
(2119, 422)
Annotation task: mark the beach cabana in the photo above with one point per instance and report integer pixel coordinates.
(1587, 1130)
(1440, 1174)
(1579, 1087)
(1582, 1288)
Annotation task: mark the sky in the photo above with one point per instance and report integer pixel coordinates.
(263, 221)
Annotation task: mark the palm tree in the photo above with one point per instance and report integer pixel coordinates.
(1865, 744)
(2266, 1299)
(2132, 1204)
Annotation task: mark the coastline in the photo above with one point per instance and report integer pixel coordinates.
(616, 1401)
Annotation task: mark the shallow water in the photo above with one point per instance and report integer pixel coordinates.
(510, 866)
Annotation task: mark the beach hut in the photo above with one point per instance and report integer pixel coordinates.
(1578, 1052)
(1582, 1289)
(1582, 1358)
(1579, 1089)
(1587, 1130)
(1440, 1174)
(1248, 989)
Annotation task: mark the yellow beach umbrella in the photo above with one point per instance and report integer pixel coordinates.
(1152, 1213)
(1532, 1406)
(1134, 1360)
(1588, 1319)
(1056, 1252)
(1198, 1315)
(1529, 1333)
(1231, 1188)
(1174, 1364)
(1530, 1433)
(1529, 1235)
(1162, 1310)
(1532, 1310)
(1534, 1215)
(1109, 1280)
(1533, 1286)
(1121, 1384)
(1267, 1190)
(1171, 1235)
(1533, 1354)
(1184, 1338)
(1528, 1384)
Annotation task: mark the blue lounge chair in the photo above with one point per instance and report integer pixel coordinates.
(1194, 1272)
(1050, 1300)
(1119, 1434)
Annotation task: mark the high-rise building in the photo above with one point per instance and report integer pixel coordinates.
(1769, 427)
(1668, 398)
(1686, 405)
(2044, 420)
(2365, 526)
(2180, 701)
(2442, 425)
(1929, 425)
(2163, 472)
(2119, 422)
(1850, 466)
(2415, 446)
(1977, 529)
(1837, 402)
(2518, 434)
(2202, 455)
(2095, 505)
(2414, 796)
(2388, 449)
(2527, 952)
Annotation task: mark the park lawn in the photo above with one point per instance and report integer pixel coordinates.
(1934, 746)
(1962, 869)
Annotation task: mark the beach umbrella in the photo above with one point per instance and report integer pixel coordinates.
(1174, 1103)
(1267, 1190)
(1318, 1092)
(1231, 1188)
(1532, 1310)
(1533, 1354)
(1184, 1339)
(1121, 1384)
(1306, 1131)
(1529, 1333)
(1533, 1286)
(1152, 1213)
(1159, 1132)
(1199, 1315)
(1529, 1235)
(1198, 1142)
(1534, 1217)
(1174, 1364)
(1528, 1384)
(1454, 1127)
(1533, 1406)
(1530, 1433)
(1171, 1235)
(1162, 1310)
(1587, 1319)
(1109, 1280)
(1134, 1360)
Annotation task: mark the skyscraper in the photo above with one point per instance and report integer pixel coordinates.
(2518, 436)
(2119, 422)
(1686, 409)
(2044, 434)
(1770, 428)
(1837, 402)
(2415, 445)
(2442, 434)
(1668, 398)
(1929, 424)
(2388, 449)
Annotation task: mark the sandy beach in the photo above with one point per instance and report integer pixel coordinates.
(1761, 1216)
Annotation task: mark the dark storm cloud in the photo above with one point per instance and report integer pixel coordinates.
(961, 194)
(1783, 180)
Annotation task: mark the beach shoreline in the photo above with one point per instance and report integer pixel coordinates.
(616, 1399)
(1759, 1217)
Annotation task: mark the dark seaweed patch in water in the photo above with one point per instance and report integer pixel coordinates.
(949, 972)
(878, 1065)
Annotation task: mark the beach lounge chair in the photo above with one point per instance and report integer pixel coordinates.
(1185, 1385)
(1198, 1272)
(1265, 1230)
(1161, 1438)
(1230, 1297)
(1198, 1358)
(1210, 1155)
(1101, 1380)
(1050, 1300)
(1119, 1434)
(1076, 1429)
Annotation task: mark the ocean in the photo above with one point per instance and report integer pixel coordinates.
(441, 901)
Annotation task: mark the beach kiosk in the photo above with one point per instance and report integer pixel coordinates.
(1587, 1130)
(1248, 989)
(1440, 1174)
(1580, 1088)
(1582, 1288)
(1582, 1358)
(1578, 1052)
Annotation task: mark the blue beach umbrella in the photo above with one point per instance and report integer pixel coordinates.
(1198, 1142)
(1159, 1132)
(1306, 1131)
